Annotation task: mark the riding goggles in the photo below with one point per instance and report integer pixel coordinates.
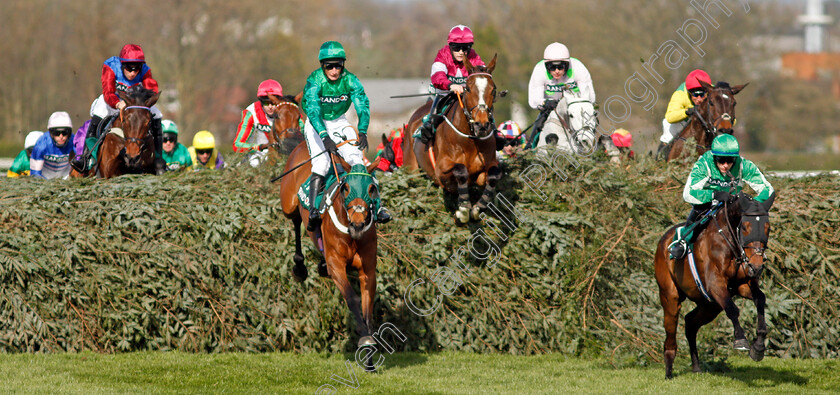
(724, 159)
(697, 92)
(207, 151)
(265, 101)
(460, 47)
(551, 66)
(333, 65)
(170, 138)
(60, 131)
(132, 67)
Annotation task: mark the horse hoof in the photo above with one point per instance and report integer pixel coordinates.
(366, 341)
(756, 355)
(462, 215)
(299, 272)
(742, 345)
(322, 269)
(475, 213)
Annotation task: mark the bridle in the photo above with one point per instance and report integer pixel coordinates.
(742, 242)
(711, 128)
(137, 140)
(478, 107)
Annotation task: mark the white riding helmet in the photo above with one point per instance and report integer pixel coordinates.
(32, 138)
(556, 51)
(60, 119)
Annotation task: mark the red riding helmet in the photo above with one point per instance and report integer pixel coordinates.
(460, 34)
(132, 53)
(692, 81)
(269, 87)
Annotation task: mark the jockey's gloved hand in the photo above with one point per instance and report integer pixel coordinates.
(549, 105)
(363, 144)
(329, 145)
(722, 196)
(690, 111)
(263, 147)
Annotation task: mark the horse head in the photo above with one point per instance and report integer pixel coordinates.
(753, 232)
(717, 111)
(135, 120)
(359, 193)
(480, 94)
(388, 149)
(286, 130)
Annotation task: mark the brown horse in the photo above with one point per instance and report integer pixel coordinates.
(724, 268)
(713, 116)
(133, 152)
(347, 234)
(464, 148)
(286, 133)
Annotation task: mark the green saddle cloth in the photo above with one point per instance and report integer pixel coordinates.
(687, 234)
(329, 183)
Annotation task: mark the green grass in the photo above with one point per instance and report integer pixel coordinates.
(409, 373)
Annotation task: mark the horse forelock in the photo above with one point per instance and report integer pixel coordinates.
(138, 94)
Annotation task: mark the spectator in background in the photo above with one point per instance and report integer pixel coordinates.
(175, 154)
(512, 139)
(20, 166)
(53, 151)
(203, 152)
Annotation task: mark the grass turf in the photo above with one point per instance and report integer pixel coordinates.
(409, 373)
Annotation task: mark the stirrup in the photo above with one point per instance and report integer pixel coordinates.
(677, 249)
(383, 216)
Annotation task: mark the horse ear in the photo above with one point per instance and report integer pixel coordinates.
(274, 98)
(384, 139)
(121, 95)
(738, 88)
(769, 202)
(470, 67)
(152, 100)
(705, 85)
(298, 97)
(492, 64)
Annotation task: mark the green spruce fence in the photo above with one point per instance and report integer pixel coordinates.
(202, 262)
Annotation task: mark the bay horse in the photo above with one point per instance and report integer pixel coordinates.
(713, 116)
(133, 152)
(724, 268)
(464, 148)
(286, 132)
(347, 236)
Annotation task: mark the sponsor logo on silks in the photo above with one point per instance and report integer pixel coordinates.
(551, 88)
(457, 80)
(122, 87)
(57, 158)
(263, 128)
(334, 99)
(726, 184)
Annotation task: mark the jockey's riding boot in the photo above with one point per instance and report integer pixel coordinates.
(678, 248)
(316, 184)
(427, 131)
(157, 134)
(80, 162)
(383, 216)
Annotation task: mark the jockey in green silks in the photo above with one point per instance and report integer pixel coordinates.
(716, 176)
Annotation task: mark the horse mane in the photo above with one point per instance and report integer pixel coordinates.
(138, 94)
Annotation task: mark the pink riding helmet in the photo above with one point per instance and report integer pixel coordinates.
(132, 53)
(460, 34)
(269, 87)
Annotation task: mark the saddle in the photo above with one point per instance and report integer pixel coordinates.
(438, 111)
(330, 186)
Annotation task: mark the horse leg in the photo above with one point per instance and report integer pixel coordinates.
(462, 177)
(671, 303)
(732, 313)
(493, 176)
(338, 272)
(752, 291)
(701, 315)
(367, 286)
(299, 271)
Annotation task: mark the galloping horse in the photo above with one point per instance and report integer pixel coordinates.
(723, 268)
(133, 152)
(286, 134)
(715, 115)
(464, 149)
(347, 234)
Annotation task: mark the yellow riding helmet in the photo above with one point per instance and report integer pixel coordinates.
(204, 140)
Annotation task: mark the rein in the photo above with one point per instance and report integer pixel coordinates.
(467, 112)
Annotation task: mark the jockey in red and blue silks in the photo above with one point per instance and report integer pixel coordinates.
(119, 73)
(449, 73)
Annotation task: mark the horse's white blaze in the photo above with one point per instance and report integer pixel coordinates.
(481, 85)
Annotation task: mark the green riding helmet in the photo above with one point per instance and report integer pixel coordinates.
(725, 145)
(169, 127)
(331, 50)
